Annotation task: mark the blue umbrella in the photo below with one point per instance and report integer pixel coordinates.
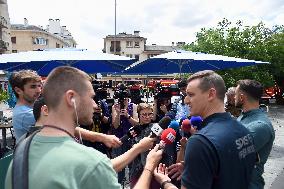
(187, 62)
(44, 61)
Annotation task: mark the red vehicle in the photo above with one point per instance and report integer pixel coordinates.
(164, 83)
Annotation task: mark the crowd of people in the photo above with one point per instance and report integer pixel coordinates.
(77, 140)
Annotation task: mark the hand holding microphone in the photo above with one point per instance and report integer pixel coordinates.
(132, 133)
(145, 144)
(153, 158)
(156, 130)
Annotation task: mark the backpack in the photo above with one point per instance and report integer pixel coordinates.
(20, 166)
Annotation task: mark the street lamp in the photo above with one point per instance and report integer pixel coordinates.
(114, 51)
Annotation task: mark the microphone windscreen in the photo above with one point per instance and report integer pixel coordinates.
(165, 122)
(186, 125)
(196, 121)
(168, 136)
(174, 125)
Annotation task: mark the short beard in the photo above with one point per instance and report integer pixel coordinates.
(29, 100)
(239, 105)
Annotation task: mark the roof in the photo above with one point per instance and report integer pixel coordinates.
(25, 27)
(124, 35)
(160, 48)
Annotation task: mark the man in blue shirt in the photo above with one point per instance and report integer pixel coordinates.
(221, 155)
(248, 94)
(26, 85)
(182, 109)
(179, 110)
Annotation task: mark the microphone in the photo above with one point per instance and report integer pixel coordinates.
(186, 126)
(132, 133)
(168, 137)
(174, 125)
(157, 128)
(196, 121)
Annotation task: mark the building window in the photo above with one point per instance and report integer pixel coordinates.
(136, 44)
(129, 55)
(14, 51)
(151, 55)
(129, 43)
(117, 44)
(40, 41)
(57, 45)
(14, 40)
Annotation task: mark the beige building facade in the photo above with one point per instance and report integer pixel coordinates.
(134, 46)
(25, 37)
(5, 39)
(129, 45)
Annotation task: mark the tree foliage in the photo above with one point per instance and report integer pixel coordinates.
(250, 42)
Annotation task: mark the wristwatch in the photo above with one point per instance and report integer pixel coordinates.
(164, 183)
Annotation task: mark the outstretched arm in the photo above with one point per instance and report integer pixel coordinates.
(123, 160)
(110, 141)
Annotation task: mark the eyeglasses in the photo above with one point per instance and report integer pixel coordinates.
(147, 114)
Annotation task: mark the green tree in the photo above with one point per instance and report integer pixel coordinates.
(250, 42)
(3, 96)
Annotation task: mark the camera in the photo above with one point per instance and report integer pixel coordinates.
(166, 92)
(100, 90)
(121, 94)
(101, 94)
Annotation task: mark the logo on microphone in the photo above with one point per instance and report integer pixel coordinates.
(156, 129)
(171, 137)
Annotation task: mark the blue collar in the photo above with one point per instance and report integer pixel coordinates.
(214, 117)
(250, 112)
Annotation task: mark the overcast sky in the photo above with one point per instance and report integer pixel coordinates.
(160, 21)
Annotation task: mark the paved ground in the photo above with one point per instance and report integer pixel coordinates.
(274, 168)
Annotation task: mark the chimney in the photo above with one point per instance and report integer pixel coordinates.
(136, 33)
(26, 23)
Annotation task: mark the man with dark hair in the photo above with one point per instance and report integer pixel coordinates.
(55, 159)
(248, 94)
(26, 85)
(216, 156)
